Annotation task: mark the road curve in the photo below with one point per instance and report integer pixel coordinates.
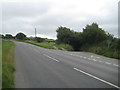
(38, 67)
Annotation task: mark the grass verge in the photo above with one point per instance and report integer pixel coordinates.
(0, 64)
(102, 50)
(52, 45)
(7, 64)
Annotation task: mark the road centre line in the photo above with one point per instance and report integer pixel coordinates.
(97, 78)
(96, 60)
(89, 58)
(51, 58)
(107, 63)
(97, 57)
(100, 61)
(115, 65)
(82, 57)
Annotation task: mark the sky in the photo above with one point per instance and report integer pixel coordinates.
(47, 15)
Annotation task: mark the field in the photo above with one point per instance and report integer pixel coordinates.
(7, 64)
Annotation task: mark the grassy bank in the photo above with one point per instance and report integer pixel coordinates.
(0, 63)
(7, 64)
(103, 50)
(52, 45)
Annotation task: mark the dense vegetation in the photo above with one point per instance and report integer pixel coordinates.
(20, 36)
(7, 64)
(92, 39)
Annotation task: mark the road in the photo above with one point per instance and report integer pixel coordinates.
(38, 67)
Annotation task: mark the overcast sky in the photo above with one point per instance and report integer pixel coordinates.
(48, 15)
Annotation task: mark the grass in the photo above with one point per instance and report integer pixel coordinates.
(102, 50)
(52, 45)
(64, 47)
(0, 64)
(43, 44)
(7, 64)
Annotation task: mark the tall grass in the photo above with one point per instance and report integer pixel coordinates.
(7, 64)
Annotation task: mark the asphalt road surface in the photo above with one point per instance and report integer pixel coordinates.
(38, 67)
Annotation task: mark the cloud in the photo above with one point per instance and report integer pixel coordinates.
(47, 15)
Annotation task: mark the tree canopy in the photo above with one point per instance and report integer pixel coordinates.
(20, 36)
(91, 34)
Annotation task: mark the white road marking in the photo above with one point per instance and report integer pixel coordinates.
(97, 57)
(94, 60)
(91, 55)
(115, 65)
(107, 63)
(51, 58)
(97, 78)
(89, 58)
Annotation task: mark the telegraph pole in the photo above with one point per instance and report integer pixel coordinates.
(35, 32)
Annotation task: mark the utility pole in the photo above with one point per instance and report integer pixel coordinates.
(35, 32)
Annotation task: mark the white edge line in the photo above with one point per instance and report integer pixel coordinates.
(51, 58)
(97, 78)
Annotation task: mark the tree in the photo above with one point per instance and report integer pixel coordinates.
(38, 39)
(20, 36)
(93, 34)
(8, 36)
(1, 36)
(64, 35)
(67, 36)
(76, 41)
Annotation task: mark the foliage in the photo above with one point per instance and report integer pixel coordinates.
(20, 36)
(38, 39)
(64, 35)
(7, 36)
(93, 34)
(92, 39)
(67, 36)
(51, 45)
